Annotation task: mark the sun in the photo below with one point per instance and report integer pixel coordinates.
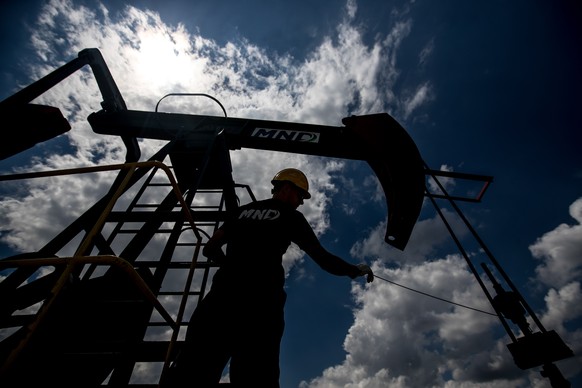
(163, 61)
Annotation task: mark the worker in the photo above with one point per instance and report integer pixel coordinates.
(241, 319)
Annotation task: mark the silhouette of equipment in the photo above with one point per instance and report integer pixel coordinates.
(110, 290)
(100, 306)
(526, 350)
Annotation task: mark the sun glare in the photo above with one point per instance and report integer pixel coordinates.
(167, 64)
(156, 58)
(161, 63)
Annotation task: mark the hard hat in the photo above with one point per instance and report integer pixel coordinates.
(294, 176)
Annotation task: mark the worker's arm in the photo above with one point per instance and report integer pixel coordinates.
(213, 247)
(336, 265)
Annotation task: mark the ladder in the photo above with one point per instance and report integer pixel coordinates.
(119, 305)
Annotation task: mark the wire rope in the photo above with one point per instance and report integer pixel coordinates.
(435, 297)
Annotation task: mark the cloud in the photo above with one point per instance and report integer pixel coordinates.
(560, 254)
(397, 334)
(420, 97)
(563, 305)
(560, 251)
(426, 52)
(447, 183)
(401, 339)
(427, 236)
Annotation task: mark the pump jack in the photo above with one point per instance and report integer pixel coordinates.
(110, 305)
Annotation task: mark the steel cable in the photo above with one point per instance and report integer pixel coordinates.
(435, 297)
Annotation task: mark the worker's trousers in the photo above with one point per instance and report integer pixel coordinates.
(244, 329)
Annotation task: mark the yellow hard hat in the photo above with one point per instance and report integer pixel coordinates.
(294, 176)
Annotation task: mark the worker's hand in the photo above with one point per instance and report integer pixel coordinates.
(366, 270)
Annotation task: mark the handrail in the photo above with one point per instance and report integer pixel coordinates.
(79, 258)
(100, 260)
(131, 166)
(71, 263)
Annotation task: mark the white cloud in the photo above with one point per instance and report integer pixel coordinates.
(563, 305)
(447, 183)
(426, 237)
(426, 52)
(420, 96)
(560, 270)
(560, 251)
(398, 337)
(397, 334)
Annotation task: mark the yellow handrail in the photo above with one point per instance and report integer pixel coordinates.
(71, 263)
(78, 258)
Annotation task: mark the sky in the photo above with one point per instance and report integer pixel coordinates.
(482, 87)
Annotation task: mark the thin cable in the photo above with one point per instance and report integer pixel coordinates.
(435, 297)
